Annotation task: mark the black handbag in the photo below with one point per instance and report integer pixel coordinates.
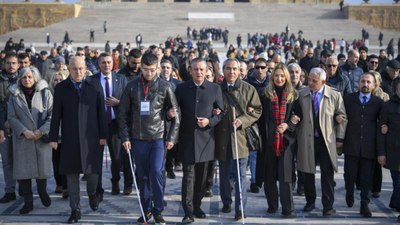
(43, 117)
(254, 140)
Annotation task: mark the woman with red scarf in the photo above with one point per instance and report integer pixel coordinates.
(281, 114)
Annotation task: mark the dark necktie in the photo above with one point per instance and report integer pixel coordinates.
(364, 100)
(108, 108)
(315, 103)
(78, 87)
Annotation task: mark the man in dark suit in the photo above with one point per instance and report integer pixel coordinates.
(363, 111)
(196, 99)
(79, 109)
(113, 85)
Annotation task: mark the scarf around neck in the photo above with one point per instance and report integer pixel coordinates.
(278, 114)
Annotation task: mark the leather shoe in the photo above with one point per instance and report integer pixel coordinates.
(198, 213)
(208, 193)
(65, 194)
(329, 212)
(289, 214)
(127, 190)
(309, 207)
(171, 175)
(254, 188)
(238, 215)
(349, 200)
(187, 219)
(93, 202)
(375, 194)
(115, 189)
(365, 212)
(26, 208)
(75, 216)
(226, 208)
(271, 210)
(392, 206)
(8, 197)
(45, 198)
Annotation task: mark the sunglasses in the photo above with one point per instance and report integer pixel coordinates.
(260, 67)
(373, 62)
(331, 65)
(80, 54)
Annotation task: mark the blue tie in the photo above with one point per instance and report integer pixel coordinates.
(315, 103)
(364, 100)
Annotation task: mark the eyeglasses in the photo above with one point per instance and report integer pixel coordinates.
(80, 54)
(260, 67)
(165, 67)
(373, 62)
(331, 65)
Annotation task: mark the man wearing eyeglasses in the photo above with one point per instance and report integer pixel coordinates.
(335, 77)
(390, 77)
(143, 131)
(373, 63)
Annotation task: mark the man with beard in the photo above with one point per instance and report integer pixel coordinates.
(132, 68)
(363, 110)
(373, 62)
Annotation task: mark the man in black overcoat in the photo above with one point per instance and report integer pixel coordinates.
(196, 98)
(79, 110)
(360, 147)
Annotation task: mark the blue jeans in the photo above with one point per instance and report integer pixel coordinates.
(7, 159)
(225, 167)
(252, 164)
(149, 159)
(395, 199)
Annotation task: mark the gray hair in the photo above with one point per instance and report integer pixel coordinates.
(292, 66)
(35, 73)
(320, 72)
(230, 60)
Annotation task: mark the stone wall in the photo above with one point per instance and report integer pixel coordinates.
(378, 16)
(14, 16)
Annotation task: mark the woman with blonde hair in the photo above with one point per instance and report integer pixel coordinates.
(29, 115)
(281, 114)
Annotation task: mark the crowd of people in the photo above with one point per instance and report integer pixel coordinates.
(171, 106)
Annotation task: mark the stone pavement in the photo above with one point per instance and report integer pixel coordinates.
(122, 209)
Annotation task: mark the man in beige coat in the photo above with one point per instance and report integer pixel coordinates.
(321, 132)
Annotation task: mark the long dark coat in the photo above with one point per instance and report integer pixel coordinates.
(83, 124)
(390, 143)
(267, 162)
(197, 144)
(361, 131)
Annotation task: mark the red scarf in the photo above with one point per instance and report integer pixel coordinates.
(278, 114)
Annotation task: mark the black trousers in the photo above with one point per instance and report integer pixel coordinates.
(285, 188)
(118, 157)
(26, 189)
(171, 159)
(377, 182)
(61, 180)
(211, 170)
(193, 186)
(364, 168)
(327, 172)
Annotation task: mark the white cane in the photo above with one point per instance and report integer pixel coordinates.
(136, 187)
(237, 165)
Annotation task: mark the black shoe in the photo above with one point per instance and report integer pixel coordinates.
(59, 189)
(289, 214)
(84, 178)
(8, 197)
(254, 188)
(365, 212)
(398, 219)
(238, 215)
(127, 190)
(375, 194)
(187, 219)
(45, 198)
(148, 216)
(158, 219)
(329, 212)
(26, 208)
(198, 213)
(171, 175)
(392, 206)
(309, 207)
(65, 194)
(75, 216)
(271, 210)
(349, 200)
(165, 203)
(208, 193)
(115, 189)
(300, 191)
(93, 202)
(226, 208)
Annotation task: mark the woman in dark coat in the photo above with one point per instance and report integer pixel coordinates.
(389, 145)
(281, 113)
(29, 114)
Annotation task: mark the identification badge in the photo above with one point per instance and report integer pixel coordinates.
(144, 108)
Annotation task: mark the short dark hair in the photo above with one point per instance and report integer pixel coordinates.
(373, 56)
(23, 55)
(11, 55)
(135, 53)
(149, 59)
(79, 49)
(341, 56)
(261, 59)
(197, 60)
